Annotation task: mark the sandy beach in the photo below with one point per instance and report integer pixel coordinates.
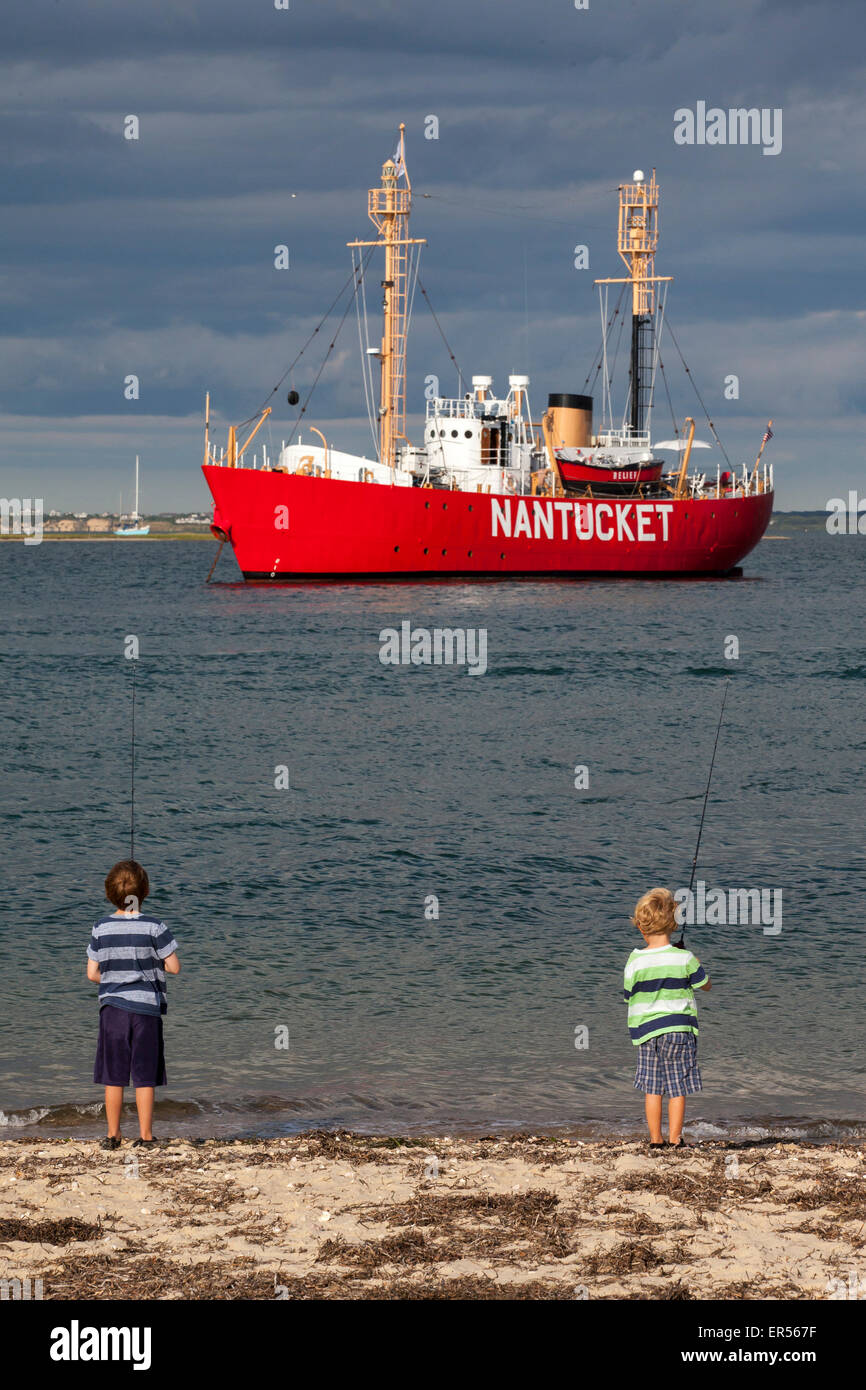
(323, 1216)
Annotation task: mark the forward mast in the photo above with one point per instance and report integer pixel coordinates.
(389, 207)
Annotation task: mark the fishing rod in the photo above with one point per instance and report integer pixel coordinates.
(681, 941)
(132, 773)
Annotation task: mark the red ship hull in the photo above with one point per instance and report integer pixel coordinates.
(288, 528)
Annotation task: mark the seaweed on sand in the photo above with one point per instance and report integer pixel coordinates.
(64, 1231)
(442, 1228)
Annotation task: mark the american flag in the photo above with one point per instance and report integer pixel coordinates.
(767, 436)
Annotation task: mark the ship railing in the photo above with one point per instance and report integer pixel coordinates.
(217, 458)
(461, 409)
(748, 483)
(465, 477)
(624, 439)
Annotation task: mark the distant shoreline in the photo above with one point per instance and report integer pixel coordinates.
(109, 536)
(808, 520)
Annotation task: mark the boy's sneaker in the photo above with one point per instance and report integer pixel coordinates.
(111, 1141)
(144, 1144)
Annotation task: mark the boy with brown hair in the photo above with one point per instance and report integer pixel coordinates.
(128, 956)
(658, 986)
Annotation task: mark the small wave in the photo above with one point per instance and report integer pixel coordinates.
(51, 1115)
(781, 1130)
(16, 1119)
(68, 1114)
(531, 671)
(844, 673)
(268, 1115)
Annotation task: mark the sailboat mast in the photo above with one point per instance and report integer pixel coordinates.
(388, 208)
(136, 488)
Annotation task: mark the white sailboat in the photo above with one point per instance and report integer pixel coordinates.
(134, 529)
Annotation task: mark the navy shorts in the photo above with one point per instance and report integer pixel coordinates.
(130, 1045)
(667, 1065)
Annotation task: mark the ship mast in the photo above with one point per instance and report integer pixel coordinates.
(388, 207)
(638, 237)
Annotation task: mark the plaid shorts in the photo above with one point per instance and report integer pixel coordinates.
(667, 1065)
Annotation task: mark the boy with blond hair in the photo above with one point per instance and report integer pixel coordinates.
(658, 986)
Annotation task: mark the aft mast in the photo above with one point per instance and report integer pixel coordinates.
(638, 237)
(388, 207)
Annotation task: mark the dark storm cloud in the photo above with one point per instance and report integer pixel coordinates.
(156, 256)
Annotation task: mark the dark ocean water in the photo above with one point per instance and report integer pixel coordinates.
(305, 908)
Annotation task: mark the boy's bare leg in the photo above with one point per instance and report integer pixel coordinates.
(144, 1106)
(113, 1107)
(653, 1107)
(676, 1115)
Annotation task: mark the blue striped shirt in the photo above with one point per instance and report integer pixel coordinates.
(129, 952)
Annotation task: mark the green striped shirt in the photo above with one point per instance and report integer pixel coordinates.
(658, 986)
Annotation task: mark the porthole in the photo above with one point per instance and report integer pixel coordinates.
(427, 504)
(396, 548)
(426, 551)
(444, 552)
(468, 434)
(454, 434)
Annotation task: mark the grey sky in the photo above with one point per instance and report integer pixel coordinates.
(156, 256)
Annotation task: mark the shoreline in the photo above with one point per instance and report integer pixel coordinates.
(326, 1215)
(265, 1116)
(197, 1123)
(107, 536)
